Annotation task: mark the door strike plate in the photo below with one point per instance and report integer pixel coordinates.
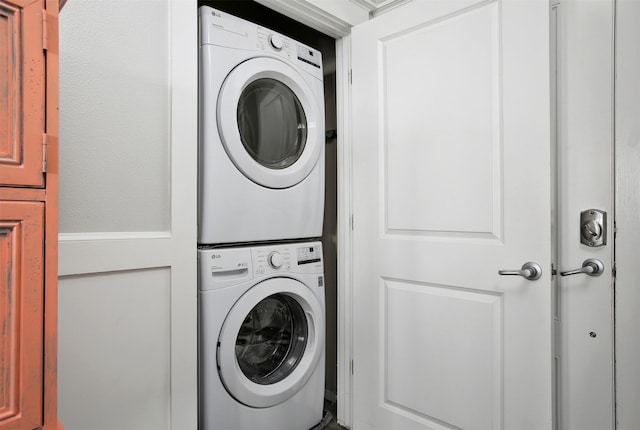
(593, 228)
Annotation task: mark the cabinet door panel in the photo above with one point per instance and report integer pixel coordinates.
(21, 314)
(22, 92)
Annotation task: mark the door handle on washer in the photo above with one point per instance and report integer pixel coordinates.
(530, 271)
(590, 266)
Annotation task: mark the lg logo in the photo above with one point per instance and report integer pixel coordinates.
(214, 256)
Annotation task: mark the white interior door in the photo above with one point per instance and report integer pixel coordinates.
(452, 183)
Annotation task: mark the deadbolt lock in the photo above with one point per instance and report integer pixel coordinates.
(593, 228)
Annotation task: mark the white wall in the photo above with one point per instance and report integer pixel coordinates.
(127, 293)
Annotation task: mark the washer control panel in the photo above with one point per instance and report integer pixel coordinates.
(294, 258)
(309, 254)
(224, 267)
(271, 259)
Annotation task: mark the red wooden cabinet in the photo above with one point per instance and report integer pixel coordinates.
(21, 313)
(22, 98)
(28, 214)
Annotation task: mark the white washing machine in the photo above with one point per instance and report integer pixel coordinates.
(261, 337)
(261, 149)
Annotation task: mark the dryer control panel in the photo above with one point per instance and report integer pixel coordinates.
(222, 29)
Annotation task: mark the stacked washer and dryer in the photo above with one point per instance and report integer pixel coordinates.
(261, 332)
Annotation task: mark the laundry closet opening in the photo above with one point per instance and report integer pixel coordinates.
(259, 14)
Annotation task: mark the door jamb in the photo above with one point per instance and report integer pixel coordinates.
(627, 295)
(344, 233)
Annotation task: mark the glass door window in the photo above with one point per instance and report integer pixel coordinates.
(271, 342)
(272, 339)
(272, 123)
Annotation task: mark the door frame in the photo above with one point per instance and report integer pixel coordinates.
(627, 200)
(337, 23)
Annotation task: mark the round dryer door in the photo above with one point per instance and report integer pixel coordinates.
(270, 122)
(270, 342)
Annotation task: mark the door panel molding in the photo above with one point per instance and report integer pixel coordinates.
(22, 102)
(452, 321)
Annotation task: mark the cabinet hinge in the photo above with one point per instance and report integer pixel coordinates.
(351, 221)
(44, 152)
(352, 367)
(614, 269)
(45, 32)
(350, 76)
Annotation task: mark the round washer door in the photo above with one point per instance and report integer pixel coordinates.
(270, 342)
(270, 123)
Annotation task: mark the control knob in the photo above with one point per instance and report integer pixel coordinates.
(276, 41)
(275, 259)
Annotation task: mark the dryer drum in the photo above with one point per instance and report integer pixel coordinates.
(272, 123)
(272, 339)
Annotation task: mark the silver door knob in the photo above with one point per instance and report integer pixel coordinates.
(590, 266)
(529, 270)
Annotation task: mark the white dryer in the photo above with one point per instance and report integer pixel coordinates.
(261, 139)
(261, 337)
